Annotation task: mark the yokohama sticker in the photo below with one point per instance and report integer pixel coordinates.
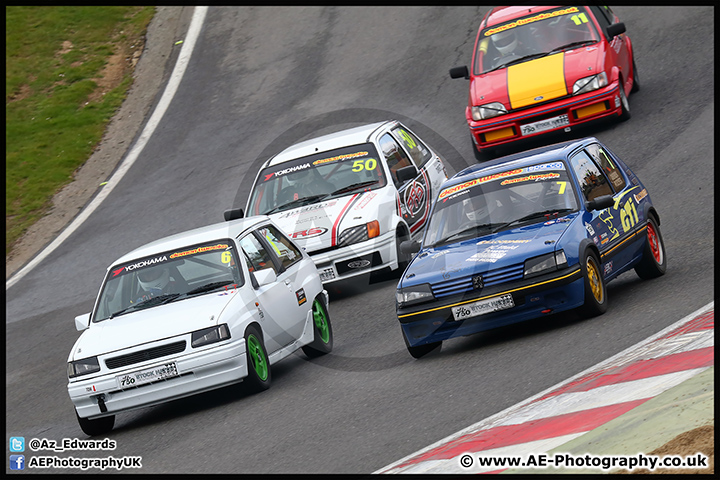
(144, 263)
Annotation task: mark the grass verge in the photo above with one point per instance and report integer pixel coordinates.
(67, 71)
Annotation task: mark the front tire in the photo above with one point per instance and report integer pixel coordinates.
(595, 292)
(654, 261)
(259, 374)
(322, 329)
(625, 114)
(636, 78)
(96, 427)
(402, 259)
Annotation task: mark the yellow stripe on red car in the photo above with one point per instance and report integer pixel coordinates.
(536, 81)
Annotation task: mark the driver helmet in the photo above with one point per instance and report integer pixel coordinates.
(505, 42)
(154, 279)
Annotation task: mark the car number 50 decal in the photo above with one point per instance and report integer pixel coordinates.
(369, 164)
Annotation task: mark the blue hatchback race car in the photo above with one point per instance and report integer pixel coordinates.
(525, 236)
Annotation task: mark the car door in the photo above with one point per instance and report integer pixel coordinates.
(612, 229)
(413, 194)
(281, 318)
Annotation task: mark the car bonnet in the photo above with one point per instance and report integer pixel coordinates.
(152, 324)
(483, 254)
(537, 81)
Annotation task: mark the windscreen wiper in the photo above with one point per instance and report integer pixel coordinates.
(352, 187)
(150, 302)
(534, 215)
(298, 202)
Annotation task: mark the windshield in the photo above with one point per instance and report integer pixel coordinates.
(317, 177)
(167, 277)
(532, 36)
(500, 201)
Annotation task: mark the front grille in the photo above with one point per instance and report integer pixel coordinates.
(462, 285)
(143, 355)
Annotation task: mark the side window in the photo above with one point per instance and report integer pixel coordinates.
(395, 156)
(592, 181)
(610, 168)
(419, 153)
(282, 246)
(257, 256)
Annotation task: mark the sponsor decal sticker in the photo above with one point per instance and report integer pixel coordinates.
(300, 294)
(535, 178)
(285, 171)
(144, 263)
(309, 233)
(199, 250)
(608, 268)
(340, 157)
(641, 195)
(536, 18)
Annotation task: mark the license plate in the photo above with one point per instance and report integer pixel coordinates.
(327, 274)
(148, 375)
(543, 125)
(482, 307)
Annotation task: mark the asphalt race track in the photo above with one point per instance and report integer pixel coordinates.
(261, 79)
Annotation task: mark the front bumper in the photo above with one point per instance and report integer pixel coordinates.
(357, 259)
(198, 371)
(579, 109)
(434, 322)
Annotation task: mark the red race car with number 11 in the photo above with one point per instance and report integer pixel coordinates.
(541, 69)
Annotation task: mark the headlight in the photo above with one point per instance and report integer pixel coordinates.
(210, 335)
(411, 295)
(588, 84)
(545, 263)
(359, 234)
(488, 111)
(83, 367)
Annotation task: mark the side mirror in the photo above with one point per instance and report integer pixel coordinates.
(409, 247)
(406, 173)
(265, 276)
(82, 322)
(460, 72)
(615, 29)
(600, 203)
(233, 214)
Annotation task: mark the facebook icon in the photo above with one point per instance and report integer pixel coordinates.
(17, 462)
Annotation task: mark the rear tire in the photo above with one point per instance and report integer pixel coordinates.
(595, 292)
(259, 374)
(323, 339)
(654, 260)
(98, 426)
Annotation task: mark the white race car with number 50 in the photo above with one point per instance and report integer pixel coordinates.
(193, 312)
(350, 198)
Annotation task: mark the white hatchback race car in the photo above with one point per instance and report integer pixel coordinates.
(193, 312)
(350, 198)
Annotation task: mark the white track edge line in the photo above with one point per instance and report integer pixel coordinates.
(162, 106)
